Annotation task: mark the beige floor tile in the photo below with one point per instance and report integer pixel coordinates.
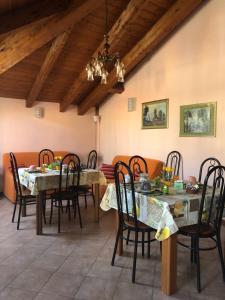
(79, 264)
(16, 294)
(95, 289)
(63, 284)
(32, 279)
(49, 262)
(130, 291)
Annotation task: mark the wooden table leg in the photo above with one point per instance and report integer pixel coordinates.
(39, 199)
(169, 265)
(120, 243)
(96, 208)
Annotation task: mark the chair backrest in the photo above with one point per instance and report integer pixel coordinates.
(71, 177)
(92, 160)
(125, 194)
(46, 156)
(206, 166)
(15, 173)
(213, 198)
(137, 165)
(173, 160)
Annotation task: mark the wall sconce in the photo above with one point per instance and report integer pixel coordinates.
(39, 112)
(96, 118)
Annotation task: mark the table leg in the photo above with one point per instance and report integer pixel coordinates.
(169, 265)
(39, 200)
(96, 208)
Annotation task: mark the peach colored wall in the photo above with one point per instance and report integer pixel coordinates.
(20, 130)
(188, 68)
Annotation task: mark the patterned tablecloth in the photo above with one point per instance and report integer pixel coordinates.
(166, 213)
(36, 182)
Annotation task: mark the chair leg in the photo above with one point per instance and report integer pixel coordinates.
(135, 256)
(78, 209)
(92, 194)
(59, 215)
(14, 210)
(149, 243)
(85, 200)
(19, 215)
(128, 236)
(198, 264)
(221, 255)
(68, 209)
(192, 251)
(115, 247)
(143, 244)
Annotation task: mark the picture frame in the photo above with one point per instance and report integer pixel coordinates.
(198, 120)
(155, 114)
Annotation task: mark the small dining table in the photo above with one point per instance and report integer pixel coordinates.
(165, 213)
(39, 182)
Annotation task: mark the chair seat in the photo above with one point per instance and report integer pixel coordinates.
(84, 189)
(205, 230)
(141, 226)
(64, 195)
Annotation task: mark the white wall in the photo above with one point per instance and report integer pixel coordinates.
(188, 68)
(20, 130)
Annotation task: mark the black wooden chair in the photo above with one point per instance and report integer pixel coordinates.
(23, 197)
(174, 160)
(209, 219)
(127, 214)
(68, 188)
(87, 190)
(46, 156)
(206, 166)
(137, 165)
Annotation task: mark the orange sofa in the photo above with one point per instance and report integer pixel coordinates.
(154, 168)
(24, 159)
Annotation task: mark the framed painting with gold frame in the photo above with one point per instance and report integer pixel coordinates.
(155, 114)
(198, 119)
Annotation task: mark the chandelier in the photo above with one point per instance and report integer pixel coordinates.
(97, 66)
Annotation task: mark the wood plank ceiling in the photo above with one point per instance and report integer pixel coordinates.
(45, 45)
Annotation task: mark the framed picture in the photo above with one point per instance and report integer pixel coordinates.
(155, 114)
(198, 119)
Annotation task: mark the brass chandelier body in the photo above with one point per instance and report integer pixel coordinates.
(97, 66)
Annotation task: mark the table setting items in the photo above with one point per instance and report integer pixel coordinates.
(191, 185)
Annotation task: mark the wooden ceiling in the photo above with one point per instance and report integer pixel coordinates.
(45, 45)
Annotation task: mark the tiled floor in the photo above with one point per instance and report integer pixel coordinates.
(76, 264)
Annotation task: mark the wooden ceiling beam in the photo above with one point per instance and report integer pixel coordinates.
(35, 11)
(131, 12)
(176, 14)
(51, 57)
(25, 40)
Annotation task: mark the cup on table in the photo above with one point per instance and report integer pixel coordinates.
(192, 180)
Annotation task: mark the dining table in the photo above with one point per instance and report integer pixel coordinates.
(165, 213)
(38, 182)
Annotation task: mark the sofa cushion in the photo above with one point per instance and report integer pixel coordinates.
(108, 170)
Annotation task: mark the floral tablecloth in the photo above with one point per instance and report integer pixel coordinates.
(36, 182)
(165, 213)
